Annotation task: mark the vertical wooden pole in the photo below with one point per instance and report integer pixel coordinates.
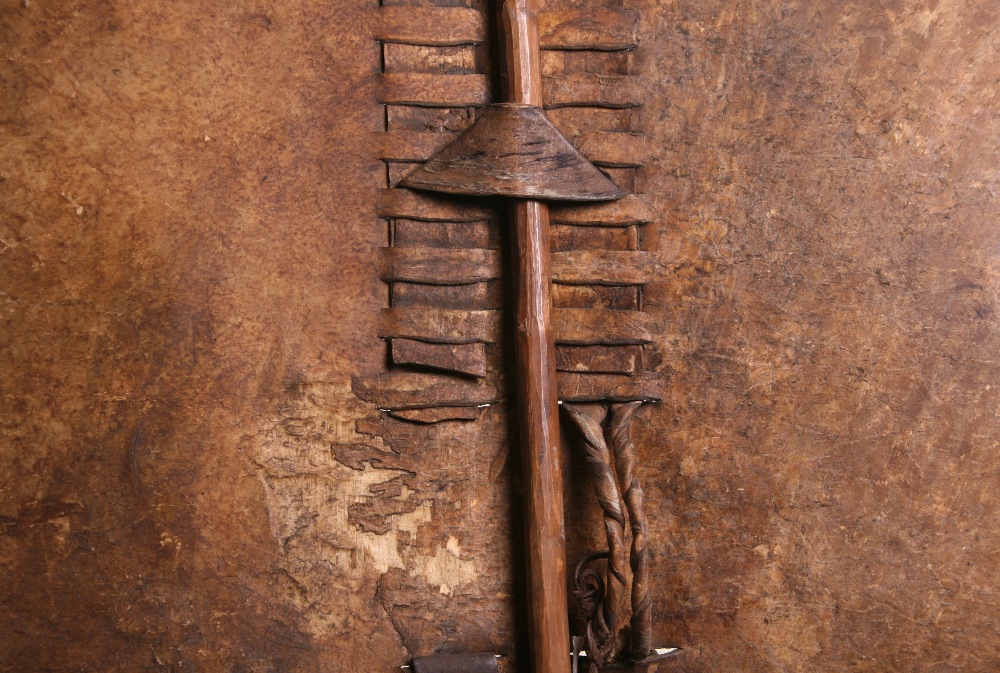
(548, 622)
(536, 372)
(522, 72)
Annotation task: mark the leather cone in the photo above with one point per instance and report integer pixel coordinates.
(514, 150)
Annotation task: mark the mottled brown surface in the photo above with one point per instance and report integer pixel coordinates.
(188, 237)
(187, 281)
(827, 468)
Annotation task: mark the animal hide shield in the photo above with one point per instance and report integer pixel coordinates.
(258, 402)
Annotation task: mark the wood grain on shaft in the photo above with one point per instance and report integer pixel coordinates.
(536, 387)
(522, 56)
(548, 625)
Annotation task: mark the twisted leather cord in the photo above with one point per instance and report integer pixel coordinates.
(588, 589)
(620, 438)
(602, 628)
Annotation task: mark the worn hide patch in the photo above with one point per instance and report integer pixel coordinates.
(344, 507)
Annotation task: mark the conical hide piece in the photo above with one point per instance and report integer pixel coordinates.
(514, 150)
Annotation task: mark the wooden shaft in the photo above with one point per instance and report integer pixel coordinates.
(548, 623)
(539, 421)
(522, 73)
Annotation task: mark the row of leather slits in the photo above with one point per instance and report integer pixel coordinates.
(443, 262)
(595, 99)
(442, 259)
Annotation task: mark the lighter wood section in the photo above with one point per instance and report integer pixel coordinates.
(522, 72)
(439, 266)
(611, 91)
(633, 209)
(603, 267)
(445, 326)
(407, 204)
(433, 27)
(430, 90)
(593, 29)
(608, 327)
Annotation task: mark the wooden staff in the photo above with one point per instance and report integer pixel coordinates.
(548, 626)
(512, 150)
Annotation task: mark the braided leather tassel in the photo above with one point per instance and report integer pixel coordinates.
(620, 439)
(602, 628)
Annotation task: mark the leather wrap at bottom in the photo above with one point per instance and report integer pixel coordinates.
(480, 662)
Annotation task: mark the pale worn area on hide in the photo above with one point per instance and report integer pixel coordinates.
(189, 276)
(345, 507)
